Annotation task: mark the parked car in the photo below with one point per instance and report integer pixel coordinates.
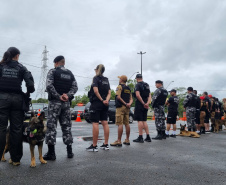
(75, 110)
(37, 108)
(111, 112)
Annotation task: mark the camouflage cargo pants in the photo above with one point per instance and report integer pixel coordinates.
(59, 110)
(160, 118)
(190, 114)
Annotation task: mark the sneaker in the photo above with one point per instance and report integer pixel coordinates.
(92, 148)
(148, 139)
(167, 135)
(126, 142)
(139, 140)
(116, 143)
(104, 147)
(173, 135)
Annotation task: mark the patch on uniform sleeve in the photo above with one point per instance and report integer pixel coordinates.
(117, 89)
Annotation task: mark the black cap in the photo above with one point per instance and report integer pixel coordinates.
(190, 89)
(58, 58)
(173, 90)
(139, 76)
(159, 82)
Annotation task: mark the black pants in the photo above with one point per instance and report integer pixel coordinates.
(11, 109)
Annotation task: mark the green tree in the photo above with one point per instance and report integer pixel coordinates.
(40, 100)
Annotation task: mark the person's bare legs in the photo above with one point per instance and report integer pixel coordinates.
(106, 131)
(140, 127)
(120, 131)
(95, 133)
(145, 126)
(127, 131)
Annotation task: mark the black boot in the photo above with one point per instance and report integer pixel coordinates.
(139, 139)
(69, 152)
(148, 139)
(203, 130)
(159, 136)
(163, 134)
(189, 129)
(50, 155)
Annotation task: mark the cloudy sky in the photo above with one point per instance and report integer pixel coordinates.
(184, 40)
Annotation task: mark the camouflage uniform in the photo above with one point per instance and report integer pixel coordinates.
(59, 109)
(159, 109)
(189, 103)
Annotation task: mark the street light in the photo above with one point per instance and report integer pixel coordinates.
(133, 74)
(169, 84)
(141, 59)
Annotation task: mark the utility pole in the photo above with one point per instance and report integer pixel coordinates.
(141, 59)
(42, 83)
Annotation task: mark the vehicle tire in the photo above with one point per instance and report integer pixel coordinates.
(88, 121)
(130, 119)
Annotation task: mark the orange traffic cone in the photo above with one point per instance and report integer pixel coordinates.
(153, 118)
(78, 119)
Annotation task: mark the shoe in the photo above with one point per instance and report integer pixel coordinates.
(104, 146)
(116, 143)
(126, 142)
(50, 155)
(92, 148)
(159, 136)
(148, 139)
(69, 152)
(167, 136)
(139, 140)
(173, 135)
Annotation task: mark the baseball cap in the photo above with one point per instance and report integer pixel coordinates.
(58, 58)
(173, 90)
(202, 97)
(210, 96)
(139, 76)
(190, 89)
(123, 78)
(159, 82)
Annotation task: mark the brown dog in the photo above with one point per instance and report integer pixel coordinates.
(34, 134)
(184, 132)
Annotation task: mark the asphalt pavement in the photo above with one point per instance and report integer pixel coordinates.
(181, 160)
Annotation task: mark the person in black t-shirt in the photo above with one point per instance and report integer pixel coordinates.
(208, 114)
(99, 95)
(143, 99)
(172, 104)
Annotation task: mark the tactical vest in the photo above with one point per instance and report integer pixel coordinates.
(125, 95)
(145, 91)
(11, 77)
(103, 88)
(193, 101)
(161, 99)
(62, 81)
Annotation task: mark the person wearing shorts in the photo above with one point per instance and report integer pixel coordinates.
(123, 101)
(143, 99)
(99, 96)
(172, 104)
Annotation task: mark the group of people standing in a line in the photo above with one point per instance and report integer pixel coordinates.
(61, 86)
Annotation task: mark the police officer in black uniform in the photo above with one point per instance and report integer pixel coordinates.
(99, 95)
(172, 103)
(208, 113)
(143, 99)
(158, 102)
(197, 113)
(12, 73)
